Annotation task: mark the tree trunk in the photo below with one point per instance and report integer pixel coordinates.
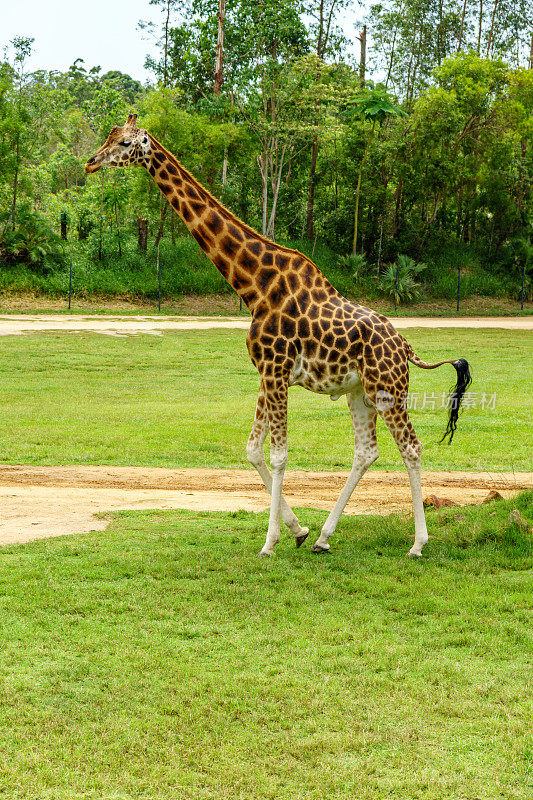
(356, 216)
(362, 63)
(491, 27)
(225, 166)
(117, 221)
(276, 182)
(101, 215)
(310, 221)
(380, 243)
(15, 185)
(142, 227)
(461, 28)
(219, 63)
(262, 159)
(479, 28)
(392, 57)
(440, 45)
(323, 37)
(397, 206)
(165, 62)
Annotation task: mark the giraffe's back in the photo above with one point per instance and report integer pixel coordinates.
(327, 344)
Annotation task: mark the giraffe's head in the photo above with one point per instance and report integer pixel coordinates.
(124, 145)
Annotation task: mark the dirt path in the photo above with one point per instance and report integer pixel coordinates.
(39, 502)
(115, 325)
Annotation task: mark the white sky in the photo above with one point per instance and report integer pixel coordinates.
(102, 32)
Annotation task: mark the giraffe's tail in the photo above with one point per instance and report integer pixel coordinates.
(464, 379)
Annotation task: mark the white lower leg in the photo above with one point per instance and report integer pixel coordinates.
(277, 462)
(361, 463)
(366, 452)
(415, 479)
(256, 457)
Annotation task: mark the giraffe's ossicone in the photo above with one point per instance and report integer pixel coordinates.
(302, 333)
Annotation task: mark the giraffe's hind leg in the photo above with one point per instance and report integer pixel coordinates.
(255, 454)
(366, 452)
(410, 447)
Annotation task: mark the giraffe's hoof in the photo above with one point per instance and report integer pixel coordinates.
(302, 536)
(317, 548)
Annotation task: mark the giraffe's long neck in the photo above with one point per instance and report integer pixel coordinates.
(249, 262)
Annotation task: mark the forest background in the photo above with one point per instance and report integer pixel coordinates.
(396, 170)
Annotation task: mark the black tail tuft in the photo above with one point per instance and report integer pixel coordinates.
(464, 379)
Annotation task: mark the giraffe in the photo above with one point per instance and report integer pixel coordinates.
(302, 333)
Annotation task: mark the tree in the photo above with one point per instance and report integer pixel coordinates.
(219, 64)
(326, 40)
(17, 122)
(375, 107)
(163, 40)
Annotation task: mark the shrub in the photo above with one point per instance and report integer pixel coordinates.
(399, 279)
(353, 263)
(31, 241)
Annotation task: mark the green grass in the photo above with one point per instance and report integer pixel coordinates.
(163, 661)
(188, 400)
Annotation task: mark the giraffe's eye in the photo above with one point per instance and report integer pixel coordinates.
(124, 144)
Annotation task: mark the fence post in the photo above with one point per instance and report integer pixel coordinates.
(523, 286)
(458, 285)
(69, 285)
(396, 289)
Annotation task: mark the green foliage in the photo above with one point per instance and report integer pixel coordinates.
(31, 241)
(399, 279)
(432, 163)
(355, 265)
(373, 105)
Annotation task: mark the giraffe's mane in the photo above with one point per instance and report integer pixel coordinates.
(221, 207)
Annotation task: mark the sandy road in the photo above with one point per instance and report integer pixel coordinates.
(117, 325)
(40, 502)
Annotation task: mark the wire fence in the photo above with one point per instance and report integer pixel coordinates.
(522, 295)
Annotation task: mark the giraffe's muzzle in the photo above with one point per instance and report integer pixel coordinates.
(92, 165)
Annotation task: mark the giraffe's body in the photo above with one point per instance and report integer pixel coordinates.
(303, 333)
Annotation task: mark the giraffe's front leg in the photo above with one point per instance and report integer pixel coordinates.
(254, 451)
(278, 461)
(276, 408)
(366, 452)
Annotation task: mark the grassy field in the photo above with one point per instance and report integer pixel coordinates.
(163, 661)
(188, 400)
